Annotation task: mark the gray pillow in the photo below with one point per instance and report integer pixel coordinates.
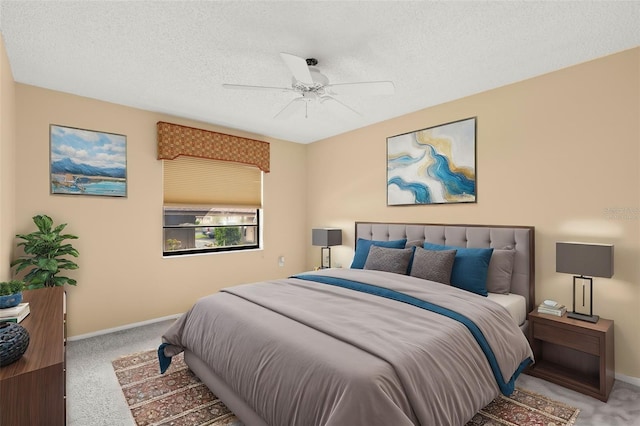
(500, 271)
(389, 259)
(414, 243)
(433, 265)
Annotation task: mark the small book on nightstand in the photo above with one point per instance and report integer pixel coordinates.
(15, 314)
(557, 309)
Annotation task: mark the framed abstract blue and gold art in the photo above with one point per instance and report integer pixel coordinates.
(436, 165)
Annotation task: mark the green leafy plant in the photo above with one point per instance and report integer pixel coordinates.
(227, 236)
(11, 287)
(173, 244)
(44, 252)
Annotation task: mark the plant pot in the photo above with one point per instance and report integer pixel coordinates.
(11, 300)
(14, 341)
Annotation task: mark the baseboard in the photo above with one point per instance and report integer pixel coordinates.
(124, 327)
(628, 379)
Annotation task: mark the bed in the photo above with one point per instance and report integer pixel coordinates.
(365, 345)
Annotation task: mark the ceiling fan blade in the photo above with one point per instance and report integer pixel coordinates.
(363, 88)
(298, 67)
(297, 104)
(325, 98)
(245, 87)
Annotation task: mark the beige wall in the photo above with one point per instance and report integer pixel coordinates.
(555, 152)
(123, 278)
(7, 161)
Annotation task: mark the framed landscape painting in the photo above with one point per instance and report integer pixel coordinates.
(436, 165)
(87, 162)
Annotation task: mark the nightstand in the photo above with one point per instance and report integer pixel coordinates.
(575, 354)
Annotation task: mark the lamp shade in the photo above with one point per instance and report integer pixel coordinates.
(326, 237)
(592, 260)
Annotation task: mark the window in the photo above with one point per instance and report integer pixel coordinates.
(190, 230)
(210, 206)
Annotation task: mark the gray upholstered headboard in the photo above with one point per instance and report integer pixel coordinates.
(521, 238)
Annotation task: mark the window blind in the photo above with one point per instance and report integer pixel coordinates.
(200, 181)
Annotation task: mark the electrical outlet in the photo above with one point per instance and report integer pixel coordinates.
(281, 261)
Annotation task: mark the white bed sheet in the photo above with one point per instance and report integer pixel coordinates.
(514, 303)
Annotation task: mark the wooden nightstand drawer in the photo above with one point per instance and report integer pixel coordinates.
(567, 338)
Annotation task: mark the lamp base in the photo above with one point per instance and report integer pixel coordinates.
(582, 317)
(325, 258)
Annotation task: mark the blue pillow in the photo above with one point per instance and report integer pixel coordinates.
(470, 267)
(363, 246)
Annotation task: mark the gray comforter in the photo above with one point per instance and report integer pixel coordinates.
(306, 353)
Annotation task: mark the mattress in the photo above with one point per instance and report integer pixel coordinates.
(515, 304)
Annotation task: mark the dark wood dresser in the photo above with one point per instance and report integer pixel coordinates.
(32, 389)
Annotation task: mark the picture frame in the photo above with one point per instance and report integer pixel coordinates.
(435, 165)
(87, 162)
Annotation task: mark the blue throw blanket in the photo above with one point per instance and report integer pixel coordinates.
(164, 360)
(506, 387)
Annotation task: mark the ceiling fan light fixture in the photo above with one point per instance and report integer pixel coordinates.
(308, 82)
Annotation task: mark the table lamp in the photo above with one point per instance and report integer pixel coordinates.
(326, 237)
(584, 260)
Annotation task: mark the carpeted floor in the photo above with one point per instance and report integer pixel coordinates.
(95, 398)
(178, 398)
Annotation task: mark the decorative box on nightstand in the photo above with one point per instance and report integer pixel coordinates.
(572, 353)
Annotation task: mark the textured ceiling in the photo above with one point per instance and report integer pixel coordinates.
(173, 57)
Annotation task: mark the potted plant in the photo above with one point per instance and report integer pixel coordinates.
(10, 293)
(45, 252)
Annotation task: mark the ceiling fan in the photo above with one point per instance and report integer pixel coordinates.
(313, 86)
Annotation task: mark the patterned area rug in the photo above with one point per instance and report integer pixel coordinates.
(178, 398)
(525, 408)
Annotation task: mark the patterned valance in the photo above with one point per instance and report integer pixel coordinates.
(175, 140)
